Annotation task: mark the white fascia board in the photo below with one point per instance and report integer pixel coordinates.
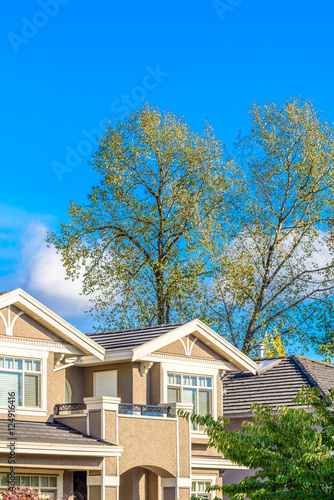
(217, 343)
(214, 463)
(13, 343)
(188, 360)
(238, 358)
(52, 321)
(110, 357)
(62, 449)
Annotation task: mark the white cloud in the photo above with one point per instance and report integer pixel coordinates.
(45, 277)
(26, 262)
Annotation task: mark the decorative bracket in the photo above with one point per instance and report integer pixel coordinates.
(188, 346)
(8, 323)
(61, 357)
(144, 367)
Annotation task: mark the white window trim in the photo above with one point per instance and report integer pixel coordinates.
(40, 356)
(95, 380)
(202, 478)
(192, 369)
(19, 471)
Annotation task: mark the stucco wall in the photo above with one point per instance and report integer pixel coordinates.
(156, 384)
(68, 482)
(148, 442)
(124, 380)
(201, 449)
(74, 376)
(79, 423)
(139, 386)
(198, 349)
(26, 327)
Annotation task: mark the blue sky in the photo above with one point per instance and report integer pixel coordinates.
(69, 66)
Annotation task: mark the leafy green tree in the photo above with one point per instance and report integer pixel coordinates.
(291, 449)
(137, 238)
(277, 272)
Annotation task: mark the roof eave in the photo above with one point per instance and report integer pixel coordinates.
(35, 309)
(225, 349)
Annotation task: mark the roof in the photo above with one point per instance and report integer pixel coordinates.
(131, 338)
(78, 341)
(141, 343)
(49, 433)
(276, 383)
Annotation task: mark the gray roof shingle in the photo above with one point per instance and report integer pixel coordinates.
(276, 386)
(45, 432)
(129, 339)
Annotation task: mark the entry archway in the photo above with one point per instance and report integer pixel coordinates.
(142, 483)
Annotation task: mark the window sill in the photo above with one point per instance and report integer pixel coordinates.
(199, 434)
(24, 411)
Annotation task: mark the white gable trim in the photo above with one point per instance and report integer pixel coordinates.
(51, 321)
(204, 333)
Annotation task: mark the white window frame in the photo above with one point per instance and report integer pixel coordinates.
(192, 368)
(32, 472)
(42, 356)
(95, 380)
(205, 479)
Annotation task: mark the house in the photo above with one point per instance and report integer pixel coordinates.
(98, 414)
(276, 382)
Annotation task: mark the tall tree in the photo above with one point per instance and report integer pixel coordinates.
(292, 450)
(275, 276)
(137, 238)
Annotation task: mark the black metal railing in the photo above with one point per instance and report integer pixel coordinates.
(144, 410)
(68, 407)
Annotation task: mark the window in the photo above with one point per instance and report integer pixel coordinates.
(191, 389)
(22, 376)
(105, 383)
(198, 489)
(45, 485)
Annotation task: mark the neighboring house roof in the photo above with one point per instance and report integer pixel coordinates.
(131, 338)
(277, 382)
(44, 438)
(140, 343)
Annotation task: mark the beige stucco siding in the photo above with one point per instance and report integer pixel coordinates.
(156, 387)
(74, 375)
(26, 327)
(198, 349)
(79, 423)
(148, 442)
(139, 387)
(124, 380)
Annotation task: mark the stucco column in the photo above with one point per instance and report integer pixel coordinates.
(102, 415)
(183, 480)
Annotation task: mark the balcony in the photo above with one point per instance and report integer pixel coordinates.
(144, 410)
(123, 409)
(69, 409)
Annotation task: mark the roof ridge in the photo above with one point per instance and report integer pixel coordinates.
(137, 328)
(309, 373)
(315, 360)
